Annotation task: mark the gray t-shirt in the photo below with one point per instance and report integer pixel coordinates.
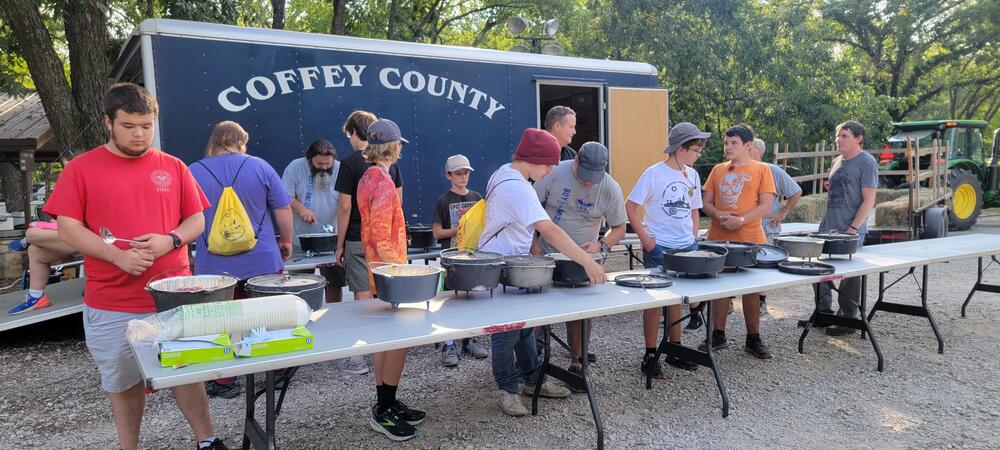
(315, 192)
(786, 188)
(844, 199)
(578, 210)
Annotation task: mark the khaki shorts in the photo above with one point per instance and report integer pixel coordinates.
(105, 336)
(357, 267)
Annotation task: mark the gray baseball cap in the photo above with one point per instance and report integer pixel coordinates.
(592, 162)
(457, 162)
(384, 131)
(681, 133)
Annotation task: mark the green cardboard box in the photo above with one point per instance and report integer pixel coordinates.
(196, 349)
(278, 341)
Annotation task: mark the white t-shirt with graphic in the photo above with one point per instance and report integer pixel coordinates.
(512, 209)
(667, 196)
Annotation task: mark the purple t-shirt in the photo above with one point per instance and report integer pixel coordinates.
(260, 190)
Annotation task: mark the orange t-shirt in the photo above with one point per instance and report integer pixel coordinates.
(383, 228)
(737, 190)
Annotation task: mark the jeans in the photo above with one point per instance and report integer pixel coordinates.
(505, 346)
(849, 296)
(654, 258)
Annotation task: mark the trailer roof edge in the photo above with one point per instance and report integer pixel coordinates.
(172, 27)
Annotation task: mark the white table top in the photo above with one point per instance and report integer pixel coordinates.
(354, 328)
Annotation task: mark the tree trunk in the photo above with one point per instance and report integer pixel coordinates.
(278, 20)
(87, 36)
(11, 186)
(392, 29)
(339, 23)
(150, 13)
(45, 67)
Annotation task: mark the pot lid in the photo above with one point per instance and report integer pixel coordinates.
(599, 257)
(643, 280)
(806, 268)
(286, 280)
(802, 239)
(454, 256)
(771, 254)
(733, 245)
(529, 261)
(832, 236)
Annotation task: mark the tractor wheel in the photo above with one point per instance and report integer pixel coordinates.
(935, 223)
(966, 199)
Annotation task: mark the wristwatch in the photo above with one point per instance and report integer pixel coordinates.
(605, 248)
(177, 240)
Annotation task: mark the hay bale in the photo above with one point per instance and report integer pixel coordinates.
(810, 209)
(896, 213)
(888, 195)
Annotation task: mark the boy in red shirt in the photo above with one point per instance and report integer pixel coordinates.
(143, 194)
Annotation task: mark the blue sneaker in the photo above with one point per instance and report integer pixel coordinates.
(30, 303)
(19, 245)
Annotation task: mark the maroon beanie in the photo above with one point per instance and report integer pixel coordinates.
(537, 147)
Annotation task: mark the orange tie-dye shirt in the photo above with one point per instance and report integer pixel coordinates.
(383, 228)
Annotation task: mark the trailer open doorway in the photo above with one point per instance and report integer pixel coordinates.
(583, 98)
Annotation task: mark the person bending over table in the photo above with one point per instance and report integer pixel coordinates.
(383, 235)
(513, 214)
(738, 193)
(578, 196)
(853, 181)
(669, 193)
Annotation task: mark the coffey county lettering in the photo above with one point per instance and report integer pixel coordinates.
(283, 82)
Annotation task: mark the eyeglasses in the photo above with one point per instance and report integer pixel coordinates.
(695, 149)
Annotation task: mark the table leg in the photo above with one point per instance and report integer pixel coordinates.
(693, 355)
(930, 318)
(578, 382)
(979, 281)
(910, 310)
(820, 318)
(980, 286)
(253, 434)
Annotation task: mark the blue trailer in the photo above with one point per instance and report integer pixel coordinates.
(289, 88)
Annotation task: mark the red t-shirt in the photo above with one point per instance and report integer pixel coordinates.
(131, 196)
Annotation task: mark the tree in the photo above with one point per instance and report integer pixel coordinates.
(278, 14)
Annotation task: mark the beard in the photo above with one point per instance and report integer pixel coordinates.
(125, 148)
(322, 180)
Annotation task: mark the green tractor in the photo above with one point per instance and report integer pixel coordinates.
(970, 168)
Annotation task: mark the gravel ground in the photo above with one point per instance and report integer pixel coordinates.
(831, 396)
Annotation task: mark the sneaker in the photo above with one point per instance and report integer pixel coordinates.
(695, 322)
(591, 358)
(216, 444)
(549, 390)
(226, 391)
(30, 303)
(763, 309)
(511, 405)
(651, 367)
(680, 363)
(756, 347)
(449, 355)
(410, 415)
(355, 365)
(837, 330)
(474, 348)
(719, 341)
(391, 424)
(20, 245)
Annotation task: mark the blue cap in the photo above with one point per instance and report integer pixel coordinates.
(384, 131)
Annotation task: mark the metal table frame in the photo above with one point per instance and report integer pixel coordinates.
(980, 286)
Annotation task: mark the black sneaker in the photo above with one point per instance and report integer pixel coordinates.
(410, 415)
(837, 330)
(718, 341)
(651, 367)
(680, 363)
(695, 322)
(391, 424)
(216, 444)
(591, 358)
(756, 347)
(226, 391)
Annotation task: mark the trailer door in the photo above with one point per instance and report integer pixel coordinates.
(637, 132)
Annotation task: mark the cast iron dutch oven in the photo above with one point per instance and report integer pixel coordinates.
(318, 242)
(405, 283)
(709, 264)
(307, 286)
(471, 270)
(741, 254)
(420, 236)
(838, 243)
(528, 271)
(568, 271)
(171, 292)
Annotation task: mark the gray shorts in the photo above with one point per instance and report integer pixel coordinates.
(357, 266)
(105, 335)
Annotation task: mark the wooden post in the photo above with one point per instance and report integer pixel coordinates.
(784, 162)
(776, 153)
(27, 160)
